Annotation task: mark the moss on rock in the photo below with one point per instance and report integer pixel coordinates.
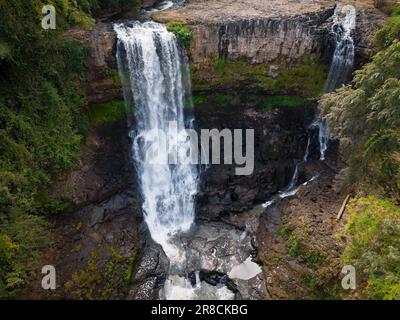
(305, 79)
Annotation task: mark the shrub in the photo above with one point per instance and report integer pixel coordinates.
(366, 119)
(373, 246)
(182, 33)
(108, 112)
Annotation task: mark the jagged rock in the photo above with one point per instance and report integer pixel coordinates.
(151, 273)
(280, 141)
(101, 82)
(97, 216)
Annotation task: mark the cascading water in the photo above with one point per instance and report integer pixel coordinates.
(155, 75)
(155, 72)
(344, 23)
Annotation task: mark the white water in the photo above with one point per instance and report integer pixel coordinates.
(164, 5)
(156, 70)
(344, 23)
(180, 288)
(245, 271)
(156, 80)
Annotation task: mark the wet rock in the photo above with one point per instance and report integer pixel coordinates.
(150, 274)
(145, 291)
(97, 216)
(280, 142)
(215, 248)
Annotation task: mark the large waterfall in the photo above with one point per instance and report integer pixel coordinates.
(156, 81)
(155, 75)
(344, 23)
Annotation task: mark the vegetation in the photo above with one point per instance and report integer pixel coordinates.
(365, 117)
(42, 122)
(107, 275)
(199, 99)
(183, 34)
(284, 101)
(108, 112)
(41, 126)
(374, 247)
(305, 79)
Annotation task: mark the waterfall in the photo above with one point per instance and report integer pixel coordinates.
(344, 23)
(156, 80)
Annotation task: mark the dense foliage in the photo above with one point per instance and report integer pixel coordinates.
(42, 122)
(41, 127)
(374, 247)
(183, 34)
(365, 116)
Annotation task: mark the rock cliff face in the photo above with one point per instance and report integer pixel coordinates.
(275, 36)
(102, 82)
(280, 142)
(274, 46)
(256, 31)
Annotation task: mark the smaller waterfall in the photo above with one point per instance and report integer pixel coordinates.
(292, 188)
(344, 23)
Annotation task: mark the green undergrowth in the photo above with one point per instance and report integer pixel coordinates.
(108, 112)
(183, 34)
(262, 102)
(42, 123)
(319, 280)
(305, 79)
(107, 275)
(284, 101)
(373, 247)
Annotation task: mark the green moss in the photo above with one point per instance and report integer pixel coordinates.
(374, 246)
(285, 231)
(221, 100)
(107, 274)
(131, 265)
(199, 99)
(283, 101)
(293, 246)
(314, 257)
(114, 75)
(306, 78)
(108, 112)
(318, 289)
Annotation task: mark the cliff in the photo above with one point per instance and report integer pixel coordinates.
(274, 47)
(260, 39)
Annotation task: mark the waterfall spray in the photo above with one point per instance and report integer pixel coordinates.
(155, 72)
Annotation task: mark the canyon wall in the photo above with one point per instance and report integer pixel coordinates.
(274, 47)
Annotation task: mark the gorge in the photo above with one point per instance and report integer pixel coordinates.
(139, 225)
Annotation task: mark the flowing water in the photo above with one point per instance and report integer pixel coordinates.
(155, 72)
(155, 75)
(156, 81)
(344, 23)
